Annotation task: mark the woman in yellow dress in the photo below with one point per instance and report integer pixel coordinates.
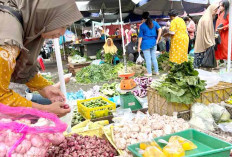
(22, 34)
(179, 39)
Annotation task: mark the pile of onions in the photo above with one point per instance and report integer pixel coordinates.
(82, 146)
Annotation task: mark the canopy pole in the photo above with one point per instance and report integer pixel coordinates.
(122, 34)
(230, 40)
(75, 29)
(60, 66)
(104, 28)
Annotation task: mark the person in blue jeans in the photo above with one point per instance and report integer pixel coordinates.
(148, 39)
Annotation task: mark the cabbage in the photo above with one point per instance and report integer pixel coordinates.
(225, 116)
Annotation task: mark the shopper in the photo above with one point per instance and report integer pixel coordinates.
(132, 48)
(191, 28)
(205, 38)
(117, 32)
(38, 20)
(223, 20)
(148, 39)
(179, 39)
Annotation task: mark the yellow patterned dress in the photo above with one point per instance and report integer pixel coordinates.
(179, 41)
(8, 55)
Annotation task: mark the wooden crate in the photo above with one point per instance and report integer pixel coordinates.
(216, 94)
(74, 68)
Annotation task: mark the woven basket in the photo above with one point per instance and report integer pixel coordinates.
(216, 94)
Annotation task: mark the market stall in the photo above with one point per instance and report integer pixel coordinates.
(90, 48)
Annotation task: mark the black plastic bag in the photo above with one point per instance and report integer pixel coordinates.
(209, 60)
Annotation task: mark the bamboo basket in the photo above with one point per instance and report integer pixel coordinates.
(158, 104)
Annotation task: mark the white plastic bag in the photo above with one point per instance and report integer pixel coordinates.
(140, 59)
(211, 78)
(202, 117)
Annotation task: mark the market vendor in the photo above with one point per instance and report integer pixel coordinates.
(132, 48)
(21, 38)
(110, 48)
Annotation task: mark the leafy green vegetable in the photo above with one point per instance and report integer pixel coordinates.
(96, 74)
(109, 89)
(182, 84)
(108, 58)
(164, 63)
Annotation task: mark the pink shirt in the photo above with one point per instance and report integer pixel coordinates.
(191, 29)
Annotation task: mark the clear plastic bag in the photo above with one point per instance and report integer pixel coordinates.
(202, 117)
(140, 59)
(28, 132)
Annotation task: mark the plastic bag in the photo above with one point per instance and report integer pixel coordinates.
(202, 117)
(28, 132)
(140, 59)
(152, 151)
(209, 60)
(174, 149)
(211, 78)
(186, 144)
(219, 112)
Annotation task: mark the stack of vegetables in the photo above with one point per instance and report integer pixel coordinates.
(77, 117)
(143, 127)
(110, 90)
(163, 62)
(143, 83)
(31, 144)
(95, 107)
(82, 146)
(76, 59)
(181, 85)
(96, 74)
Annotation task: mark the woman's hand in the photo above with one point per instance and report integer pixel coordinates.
(52, 93)
(139, 49)
(58, 108)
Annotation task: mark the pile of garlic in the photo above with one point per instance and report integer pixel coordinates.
(141, 129)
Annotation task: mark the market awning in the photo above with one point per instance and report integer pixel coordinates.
(106, 5)
(161, 7)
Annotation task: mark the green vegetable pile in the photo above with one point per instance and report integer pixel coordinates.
(95, 103)
(96, 74)
(182, 84)
(109, 89)
(77, 118)
(163, 62)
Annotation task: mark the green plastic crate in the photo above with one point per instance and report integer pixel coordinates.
(207, 146)
(128, 100)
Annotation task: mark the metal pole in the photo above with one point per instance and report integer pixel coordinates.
(122, 34)
(104, 28)
(75, 29)
(60, 66)
(93, 29)
(230, 40)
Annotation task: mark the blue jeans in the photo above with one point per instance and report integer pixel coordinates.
(150, 57)
(37, 98)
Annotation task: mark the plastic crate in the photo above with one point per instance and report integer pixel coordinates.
(128, 100)
(97, 112)
(208, 146)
